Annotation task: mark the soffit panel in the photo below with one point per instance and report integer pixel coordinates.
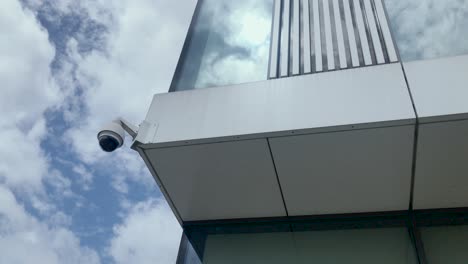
(220, 181)
(345, 172)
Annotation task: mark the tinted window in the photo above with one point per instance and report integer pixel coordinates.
(228, 44)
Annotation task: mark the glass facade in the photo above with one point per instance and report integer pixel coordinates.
(427, 29)
(228, 44)
(229, 41)
(421, 237)
(363, 246)
(446, 244)
(356, 239)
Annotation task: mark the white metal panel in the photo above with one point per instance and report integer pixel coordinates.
(362, 32)
(339, 35)
(317, 36)
(285, 35)
(441, 179)
(275, 40)
(374, 32)
(296, 40)
(220, 181)
(328, 35)
(352, 98)
(307, 45)
(392, 54)
(351, 36)
(439, 88)
(345, 172)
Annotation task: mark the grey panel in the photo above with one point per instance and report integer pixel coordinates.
(345, 172)
(360, 97)
(439, 88)
(441, 166)
(220, 181)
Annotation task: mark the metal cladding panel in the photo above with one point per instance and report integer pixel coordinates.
(439, 88)
(441, 179)
(220, 180)
(329, 35)
(440, 91)
(342, 172)
(357, 98)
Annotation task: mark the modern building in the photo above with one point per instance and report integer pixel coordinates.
(316, 131)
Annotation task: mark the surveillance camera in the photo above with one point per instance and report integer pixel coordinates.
(111, 136)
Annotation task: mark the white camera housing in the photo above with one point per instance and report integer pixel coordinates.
(112, 135)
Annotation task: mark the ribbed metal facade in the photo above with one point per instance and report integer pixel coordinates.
(310, 36)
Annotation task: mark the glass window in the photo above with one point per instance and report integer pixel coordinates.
(228, 44)
(446, 244)
(426, 29)
(363, 246)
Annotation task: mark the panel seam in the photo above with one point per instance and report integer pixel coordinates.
(277, 177)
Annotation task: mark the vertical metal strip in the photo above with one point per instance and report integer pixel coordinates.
(328, 35)
(295, 38)
(275, 41)
(317, 37)
(368, 34)
(345, 35)
(290, 37)
(339, 35)
(336, 52)
(351, 34)
(306, 37)
(374, 32)
(356, 34)
(392, 54)
(362, 32)
(285, 30)
(379, 30)
(301, 36)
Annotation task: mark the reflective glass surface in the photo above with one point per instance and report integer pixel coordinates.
(446, 244)
(427, 29)
(228, 44)
(363, 246)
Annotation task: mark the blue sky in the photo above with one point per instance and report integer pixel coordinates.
(66, 68)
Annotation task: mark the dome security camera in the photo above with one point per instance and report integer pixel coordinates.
(112, 135)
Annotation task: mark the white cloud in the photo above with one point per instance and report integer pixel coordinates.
(143, 45)
(24, 239)
(27, 91)
(428, 29)
(86, 177)
(149, 234)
